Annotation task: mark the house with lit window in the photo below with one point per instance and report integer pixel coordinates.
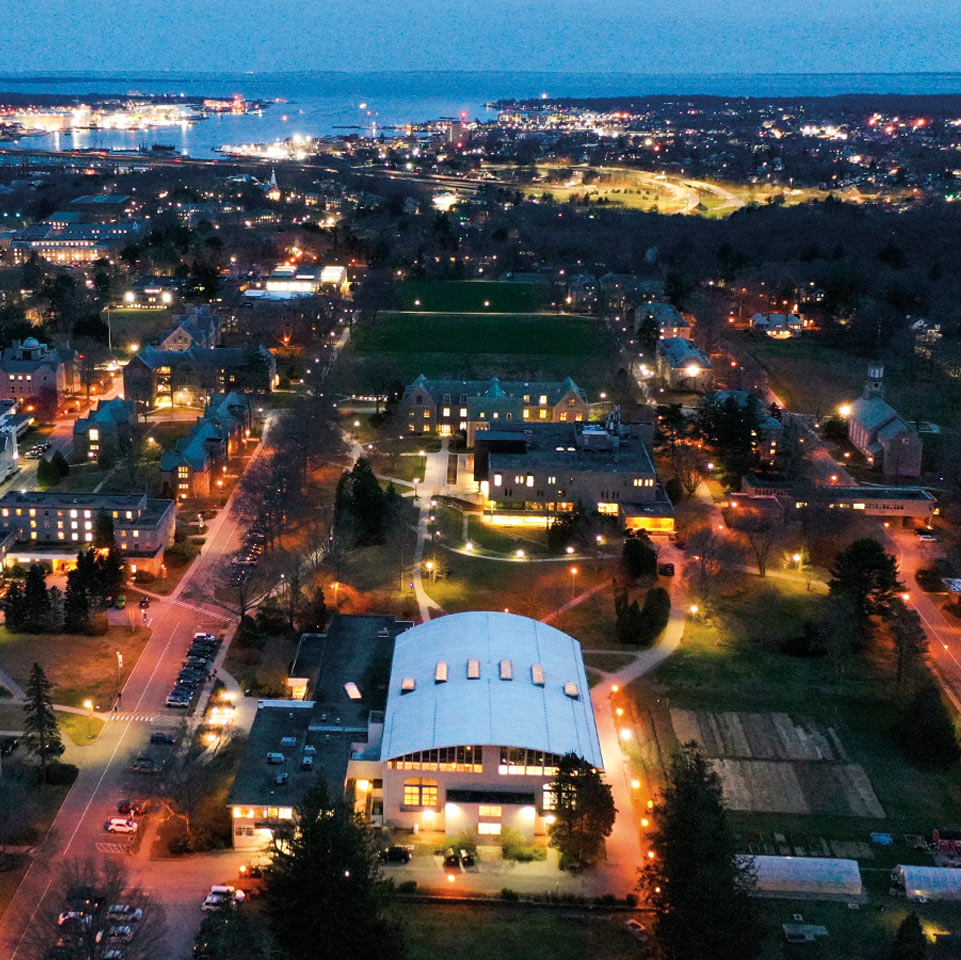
(670, 322)
(106, 432)
(50, 526)
(194, 468)
(29, 368)
(683, 367)
(446, 407)
(535, 475)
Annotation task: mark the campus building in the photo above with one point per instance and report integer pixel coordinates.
(532, 475)
(875, 428)
(446, 407)
(198, 327)
(195, 467)
(193, 376)
(670, 322)
(683, 367)
(29, 368)
(153, 293)
(51, 526)
(290, 281)
(464, 728)
(106, 432)
(905, 504)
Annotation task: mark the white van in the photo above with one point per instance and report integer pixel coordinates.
(275, 758)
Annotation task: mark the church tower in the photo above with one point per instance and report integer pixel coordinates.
(874, 385)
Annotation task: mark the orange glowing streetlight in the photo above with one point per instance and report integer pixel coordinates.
(573, 580)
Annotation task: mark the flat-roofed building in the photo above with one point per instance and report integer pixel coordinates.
(533, 475)
(52, 526)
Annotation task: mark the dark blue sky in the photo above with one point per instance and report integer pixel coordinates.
(636, 36)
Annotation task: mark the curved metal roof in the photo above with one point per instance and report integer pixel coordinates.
(513, 712)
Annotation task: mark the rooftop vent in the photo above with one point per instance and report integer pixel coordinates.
(473, 669)
(507, 670)
(537, 674)
(407, 685)
(352, 691)
(570, 690)
(440, 672)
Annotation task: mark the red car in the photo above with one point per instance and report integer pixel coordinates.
(133, 807)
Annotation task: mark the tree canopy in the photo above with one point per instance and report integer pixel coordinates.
(583, 812)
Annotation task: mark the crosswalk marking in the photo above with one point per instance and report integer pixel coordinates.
(105, 847)
(152, 718)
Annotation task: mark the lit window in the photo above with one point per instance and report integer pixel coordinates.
(542, 400)
(543, 414)
(93, 434)
(498, 480)
(445, 412)
(463, 411)
(489, 829)
(420, 792)
(527, 414)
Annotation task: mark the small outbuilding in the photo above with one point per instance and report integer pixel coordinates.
(819, 878)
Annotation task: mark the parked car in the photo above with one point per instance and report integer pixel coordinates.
(144, 765)
(395, 855)
(8, 745)
(74, 918)
(666, 569)
(120, 602)
(133, 807)
(117, 933)
(124, 913)
(121, 825)
(144, 602)
(178, 701)
(927, 538)
(158, 736)
(637, 930)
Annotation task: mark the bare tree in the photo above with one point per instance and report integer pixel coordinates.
(88, 915)
(688, 466)
(713, 558)
(761, 532)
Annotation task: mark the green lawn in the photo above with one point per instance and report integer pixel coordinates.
(608, 662)
(481, 932)
(83, 477)
(139, 327)
(731, 662)
(470, 296)
(79, 667)
(533, 334)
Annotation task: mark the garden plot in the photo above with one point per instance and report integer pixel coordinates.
(770, 763)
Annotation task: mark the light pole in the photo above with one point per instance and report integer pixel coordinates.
(796, 557)
(530, 567)
(88, 704)
(119, 669)
(573, 580)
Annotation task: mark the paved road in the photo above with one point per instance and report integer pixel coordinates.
(78, 829)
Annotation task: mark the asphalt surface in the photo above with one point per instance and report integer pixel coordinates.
(177, 885)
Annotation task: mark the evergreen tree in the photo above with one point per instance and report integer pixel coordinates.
(47, 473)
(76, 607)
(656, 612)
(14, 607)
(103, 531)
(313, 614)
(36, 601)
(910, 943)
(638, 557)
(867, 576)
(324, 898)
(583, 812)
(926, 729)
(369, 503)
(60, 462)
(695, 884)
(41, 732)
(110, 572)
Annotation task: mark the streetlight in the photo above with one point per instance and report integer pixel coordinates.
(119, 669)
(430, 570)
(569, 551)
(693, 609)
(573, 578)
(796, 557)
(88, 705)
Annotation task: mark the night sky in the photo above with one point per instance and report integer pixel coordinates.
(595, 36)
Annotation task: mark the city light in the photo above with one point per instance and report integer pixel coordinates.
(625, 734)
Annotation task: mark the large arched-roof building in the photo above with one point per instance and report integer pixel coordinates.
(480, 707)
